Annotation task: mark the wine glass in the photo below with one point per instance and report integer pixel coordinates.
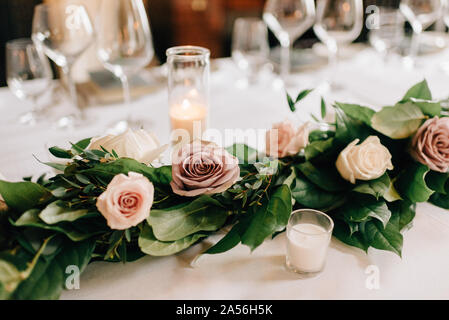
(28, 74)
(421, 14)
(250, 47)
(64, 31)
(338, 22)
(288, 20)
(124, 46)
(389, 32)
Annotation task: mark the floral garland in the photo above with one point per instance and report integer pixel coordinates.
(106, 204)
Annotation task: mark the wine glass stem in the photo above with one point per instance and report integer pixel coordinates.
(285, 61)
(333, 61)
(414, 49)
(72, 88)
(126, 94)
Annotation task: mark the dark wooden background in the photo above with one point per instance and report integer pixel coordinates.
(174, 22)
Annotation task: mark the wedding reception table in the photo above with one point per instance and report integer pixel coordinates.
(422, 273)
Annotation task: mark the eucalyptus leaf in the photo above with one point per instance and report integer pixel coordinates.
(269, 218)
(244, 153)
(22, 196)
(357, 112)
(174, 223)
(398, 122)
(154, 247)
(55, 212)
(419, 91)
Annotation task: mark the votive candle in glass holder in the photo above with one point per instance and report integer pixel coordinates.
(308, 236)
(188, 91)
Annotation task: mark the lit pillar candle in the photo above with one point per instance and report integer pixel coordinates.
(190, 117)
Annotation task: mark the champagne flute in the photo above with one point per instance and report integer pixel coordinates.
(421, 14)
(28, 74)
(338, 22)
(250, 47)
(124, 46)
(288, 20)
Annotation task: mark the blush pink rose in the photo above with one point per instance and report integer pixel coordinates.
(203, 168)
(430, 145)
(285, 140)
(127, 200)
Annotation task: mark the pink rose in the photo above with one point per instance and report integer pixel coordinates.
(284, 140)
(430, 145)
(127, 200)
(203, 168)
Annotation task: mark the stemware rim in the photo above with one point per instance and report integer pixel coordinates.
(180, 52)
(328, 230)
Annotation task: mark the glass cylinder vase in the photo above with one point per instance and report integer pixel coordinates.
(188, 91)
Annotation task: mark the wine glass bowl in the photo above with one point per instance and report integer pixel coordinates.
(28, 74)
(288, 20)
(338, 22)
(63, 32)
(250, 48)
(124, 47)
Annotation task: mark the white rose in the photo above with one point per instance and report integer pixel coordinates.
(366, 161)
(136, 144)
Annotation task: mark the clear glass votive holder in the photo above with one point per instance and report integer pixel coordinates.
(188, 91)
(308, 235)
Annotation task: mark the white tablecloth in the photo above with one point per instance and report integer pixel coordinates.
(238, 274)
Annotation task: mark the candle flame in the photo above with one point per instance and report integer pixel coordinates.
(185, 104)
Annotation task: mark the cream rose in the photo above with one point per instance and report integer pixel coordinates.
(127, 200)
(136, 144)
(366, 161)
(285, 140)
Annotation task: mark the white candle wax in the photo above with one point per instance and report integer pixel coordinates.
(307, 247)
(189, 117)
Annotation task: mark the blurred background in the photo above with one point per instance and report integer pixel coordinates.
(206, 23)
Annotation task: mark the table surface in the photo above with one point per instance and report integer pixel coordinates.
(238, 274)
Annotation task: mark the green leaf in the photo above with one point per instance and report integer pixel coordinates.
(348, 129)
(357, 112)
(317, 148)
(377, 187)
(55, 212)
(419, 91)
(161, 175)
(244, 153)
(154, 247)
(269, 218)
(302, 95)
(49, 275)
(323, 108)
(440, 200)
(10, 278)
(202, 214)
(22, 196)
(326, 178)
(76, 231)
(60, 153)
(437, 181)
(403, 213)
(309, 195)
(384, 238)
(291, 103)
(398, 122)
(411, 183)
(428, 107)
(342, 232)
(361, 207)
